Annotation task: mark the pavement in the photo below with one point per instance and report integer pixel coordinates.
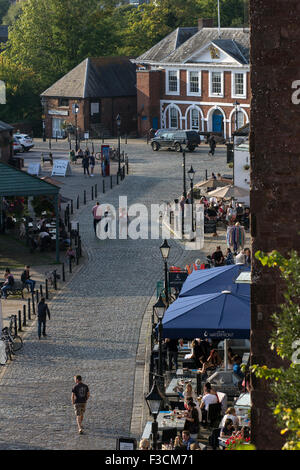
(99, 325)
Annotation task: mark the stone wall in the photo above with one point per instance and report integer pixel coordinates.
(275, 179)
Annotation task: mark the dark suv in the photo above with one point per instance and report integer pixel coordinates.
(176, 140)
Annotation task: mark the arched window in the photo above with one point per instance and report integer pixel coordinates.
(173, 118)
(195, 119)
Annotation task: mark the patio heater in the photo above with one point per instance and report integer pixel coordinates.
(191, 174)
(154, 400)
(165, 250)
(76, 111)
(118, 121)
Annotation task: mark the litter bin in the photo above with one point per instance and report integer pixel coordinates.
(230, 153)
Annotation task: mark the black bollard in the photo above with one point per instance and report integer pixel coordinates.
(33, 304)
(72, 209)
(50, 144)
(24, 315)
(37, 296)
(118, 178)
(29, 310)
(41, 290)
(77, 203)
(111, 182)
(96, 190)
(55, 279)
(79, 246)
(15, 324)
(19, 320)
(63, 272)
(127, 165)
(103, 186)
(46, 289)
(70, 264)
(84, 197)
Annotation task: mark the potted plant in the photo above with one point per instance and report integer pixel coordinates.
(246, 167)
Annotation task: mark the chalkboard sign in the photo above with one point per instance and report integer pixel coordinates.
(61, 168)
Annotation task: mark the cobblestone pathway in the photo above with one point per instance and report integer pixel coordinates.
(95, 325)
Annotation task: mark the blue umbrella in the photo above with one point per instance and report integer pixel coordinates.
(222, 315)
(207, 281)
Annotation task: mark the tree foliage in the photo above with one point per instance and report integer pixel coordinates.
(285, 340)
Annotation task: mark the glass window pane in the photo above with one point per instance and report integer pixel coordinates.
(239, 83)
(195, 119)
(216, 86)
(173, 86)
(173, 117)
(194, 82)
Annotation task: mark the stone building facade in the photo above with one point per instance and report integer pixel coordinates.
(275, 182)
(195, 78)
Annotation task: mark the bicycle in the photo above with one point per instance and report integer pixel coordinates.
(15, 341)
(3, 352)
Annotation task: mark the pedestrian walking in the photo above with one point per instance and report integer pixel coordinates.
(43, 311)
(92, 164)
(80, 396)
(96, 211)
(212, 145)
(86, 164)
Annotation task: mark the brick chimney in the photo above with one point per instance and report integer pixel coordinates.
(205, 23)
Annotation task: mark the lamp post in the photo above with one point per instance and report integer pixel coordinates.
(154, 400)
(237, 109)
(191, 174)
(76, 111)
(43, 102)
(159, 310)
(184, 178)
(118, 121)
(165, 250)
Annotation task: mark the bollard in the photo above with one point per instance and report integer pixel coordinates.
(103, 186)
(205, 174)
(72, 209)
(126, 139)
(29, 309)
(77, 203)
(50, 144)
(118, 178)
(70, 144)
(79, 246)
(41, 290)
(92, 193)
(111, 182)
(46, 289)
(15, 325)
(96, 190)
(19, 321)
(63, 275)
(33, 304)
(37, 296)
(84, 197)
(24, 315)
(77, 255)
(127, 165)
(70, 264)
(55, 279)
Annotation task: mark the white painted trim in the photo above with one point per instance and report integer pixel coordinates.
(233, 95)
(230, 119)
(203, 103)
(211, 43)
(188, 92)
(168, 92)
(189, 109)
(164, 117)
(209, 119)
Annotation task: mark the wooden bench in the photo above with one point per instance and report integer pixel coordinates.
(47, 157)
(16, 289)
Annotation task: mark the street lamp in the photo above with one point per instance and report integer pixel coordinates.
(43, 102)
(191, 174)
(118, 121)
(159, 310)
(154, 400)
(76, 111)
(165, 250)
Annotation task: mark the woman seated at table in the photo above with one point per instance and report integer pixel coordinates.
(210, 397)
(230, 414)
(228, 429)
(192, 422)
(213, 361)
(189, 394)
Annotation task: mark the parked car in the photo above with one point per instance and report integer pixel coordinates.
(25, 141)
(17, 146)
(176, 140)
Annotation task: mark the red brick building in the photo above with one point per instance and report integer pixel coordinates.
(192, 80)
(103, 87)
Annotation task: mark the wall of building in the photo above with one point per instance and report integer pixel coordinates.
(148, 99)
(6, 151)
(275, 182)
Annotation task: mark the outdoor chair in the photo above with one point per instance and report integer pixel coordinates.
(168, 434)
(214, 413)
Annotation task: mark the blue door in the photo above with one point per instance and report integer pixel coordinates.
(217, 123)
(155, 123)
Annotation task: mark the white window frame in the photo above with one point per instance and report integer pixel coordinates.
(214, 95)
(170, 92)
(192, 93)
(233, 93)
(177, 117)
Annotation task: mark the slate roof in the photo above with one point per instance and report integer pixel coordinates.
(234, 41)
(14, 182)
(168, 45)
(97, 77)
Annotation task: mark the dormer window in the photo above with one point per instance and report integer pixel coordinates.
(63, 102)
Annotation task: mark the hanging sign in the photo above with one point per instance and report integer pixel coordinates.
(61, 168)
(34, 169)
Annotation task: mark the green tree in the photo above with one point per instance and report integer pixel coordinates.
(12, 13)
(285, 340)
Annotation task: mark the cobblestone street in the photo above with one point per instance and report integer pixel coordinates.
(96, 318)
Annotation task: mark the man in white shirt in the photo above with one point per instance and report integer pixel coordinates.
(240, 258)
(209, 398)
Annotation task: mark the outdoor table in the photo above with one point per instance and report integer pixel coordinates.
(164, 421)
(174, 383)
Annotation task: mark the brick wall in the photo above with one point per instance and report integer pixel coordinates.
(275, 180)
(148, 99)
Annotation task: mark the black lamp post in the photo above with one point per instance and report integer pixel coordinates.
(191, 174)
(165, 250)
(183, 165)
(154, 401)
(43, 102)
(118, 121)
(159, 310)
(237, 109)
(76, 111)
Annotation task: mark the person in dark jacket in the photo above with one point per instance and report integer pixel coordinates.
(86, 164)
(212, 145)
(42, 313)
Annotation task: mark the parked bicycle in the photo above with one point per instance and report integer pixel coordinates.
(49, 275)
